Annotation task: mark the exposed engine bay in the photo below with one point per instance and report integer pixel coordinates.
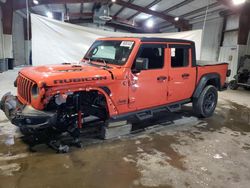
(64, 113)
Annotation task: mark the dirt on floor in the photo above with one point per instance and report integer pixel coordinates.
(188, 152)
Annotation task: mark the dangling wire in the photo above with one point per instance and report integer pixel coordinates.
(204, 26)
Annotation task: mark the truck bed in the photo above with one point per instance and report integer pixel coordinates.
(205, 63)
(208, 67)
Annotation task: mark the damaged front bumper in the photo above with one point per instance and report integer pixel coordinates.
(25, 116)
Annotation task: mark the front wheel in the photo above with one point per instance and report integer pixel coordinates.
(205, 104)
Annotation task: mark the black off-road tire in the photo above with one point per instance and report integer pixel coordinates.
(233, 85)
(205, 104)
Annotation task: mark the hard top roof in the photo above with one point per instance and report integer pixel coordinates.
(155, 39)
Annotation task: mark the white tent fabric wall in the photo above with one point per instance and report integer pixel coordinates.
(211, 38)
(56, 42)
(18, 40)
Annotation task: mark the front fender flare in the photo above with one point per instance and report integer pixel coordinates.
(112, 110)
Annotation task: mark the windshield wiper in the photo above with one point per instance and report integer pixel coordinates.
(102, 61)
(90, 61)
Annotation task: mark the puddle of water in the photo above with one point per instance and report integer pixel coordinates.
(9, 169)
(236, 120)
(94, 166)
(163, 144)
(228, 114)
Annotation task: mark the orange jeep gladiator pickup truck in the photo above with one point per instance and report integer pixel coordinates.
(117, 78)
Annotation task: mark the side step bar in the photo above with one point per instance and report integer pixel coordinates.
(148, 113)
(115, 129)
(144, 115)
(174, 107)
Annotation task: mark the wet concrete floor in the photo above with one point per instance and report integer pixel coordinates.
(212, 152)
(189, 152)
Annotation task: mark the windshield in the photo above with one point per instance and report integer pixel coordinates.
(110, 52)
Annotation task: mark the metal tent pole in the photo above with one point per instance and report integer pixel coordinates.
(3, 51)
(28, 30)
(204, 26)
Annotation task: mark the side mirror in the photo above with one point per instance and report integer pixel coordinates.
(141, 64)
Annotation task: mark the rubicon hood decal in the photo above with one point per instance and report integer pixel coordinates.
(74, 80)
(53, 74)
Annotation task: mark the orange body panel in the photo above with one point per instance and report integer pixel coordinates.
(180, 88)
(129, 92)
(220, 69)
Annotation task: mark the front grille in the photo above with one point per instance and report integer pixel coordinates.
(24, 86)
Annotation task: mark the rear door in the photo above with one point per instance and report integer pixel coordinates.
(182, 75)
(148, 88)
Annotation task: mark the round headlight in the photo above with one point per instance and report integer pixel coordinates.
(35, 91)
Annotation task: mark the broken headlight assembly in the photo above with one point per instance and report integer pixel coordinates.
(35, 91)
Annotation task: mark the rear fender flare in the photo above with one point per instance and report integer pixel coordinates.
(204, 82)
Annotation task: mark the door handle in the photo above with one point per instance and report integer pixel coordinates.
(185, 75)
(162, 78)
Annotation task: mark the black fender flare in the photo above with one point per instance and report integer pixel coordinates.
(203, 82)
(106, 90)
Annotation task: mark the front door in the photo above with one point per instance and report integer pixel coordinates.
(182, 75)
(148, 88)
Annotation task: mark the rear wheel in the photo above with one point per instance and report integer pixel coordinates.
(233, 85)
(205, 104)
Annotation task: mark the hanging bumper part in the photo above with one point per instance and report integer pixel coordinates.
(25, 115)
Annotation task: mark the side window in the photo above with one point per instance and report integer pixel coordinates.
(179, 56)
(154, 54)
